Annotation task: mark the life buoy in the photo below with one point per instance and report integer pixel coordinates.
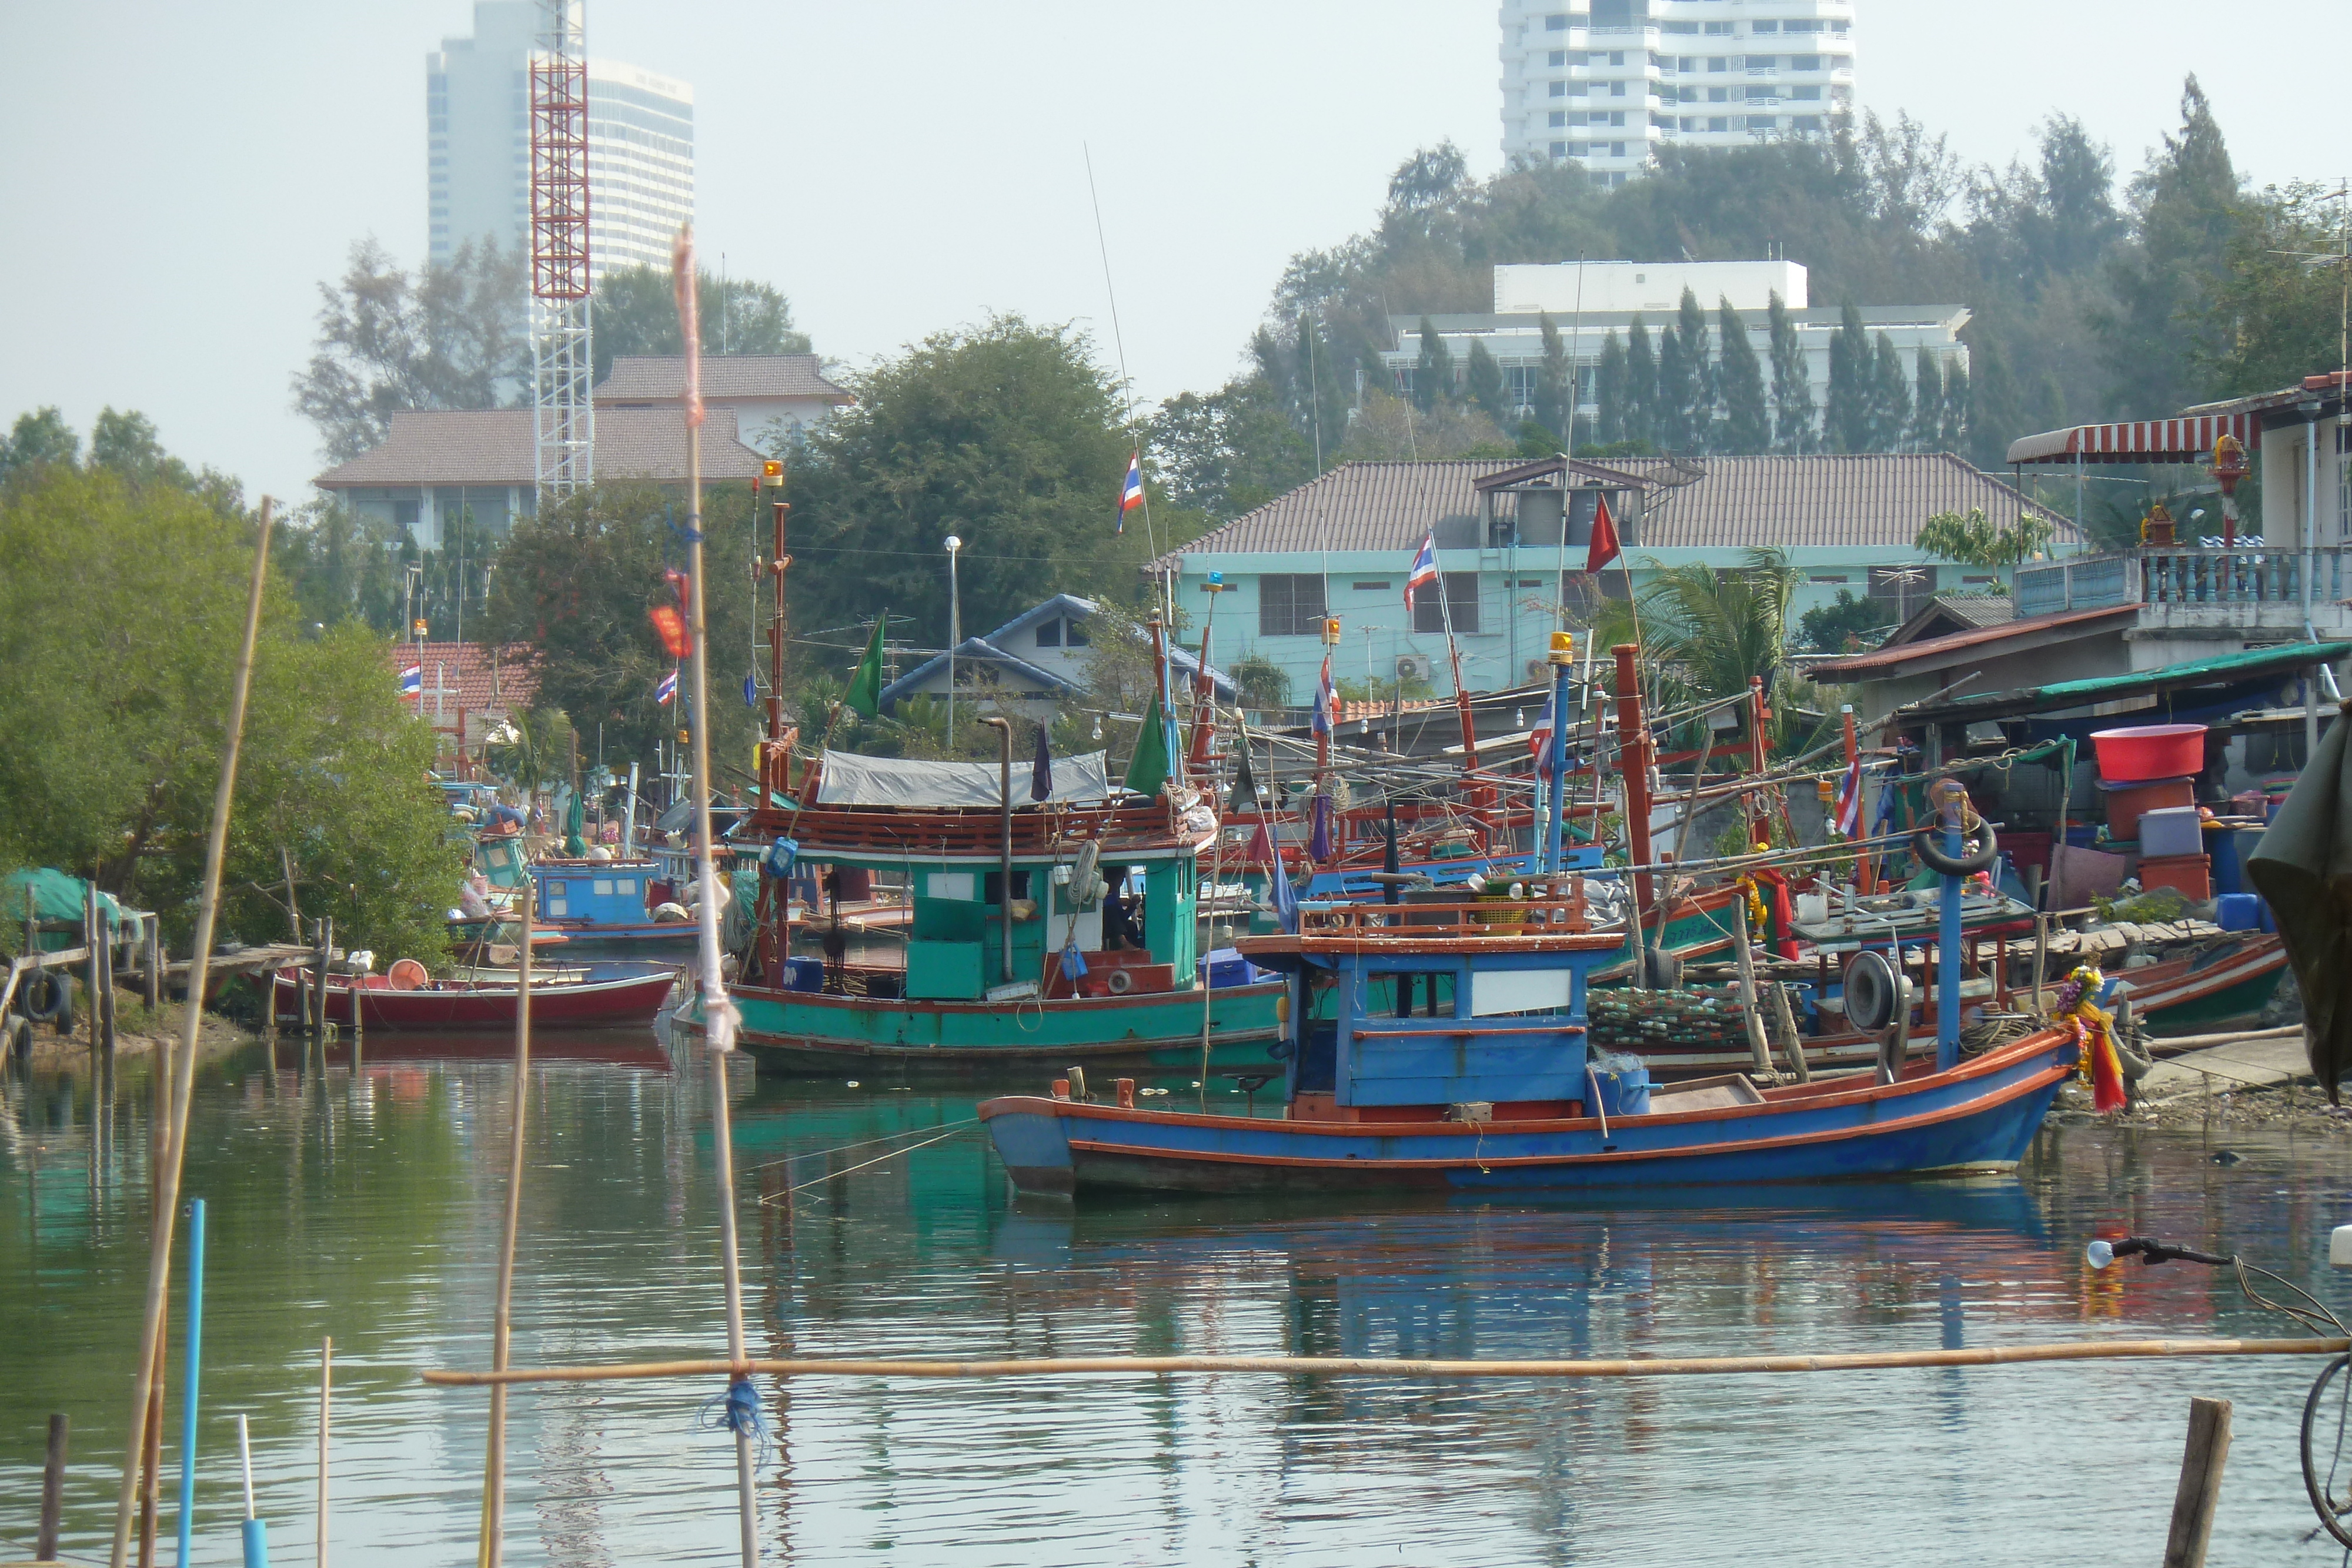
(1926, 844)
(1118, 982)
(407, 975)
(1870, 992)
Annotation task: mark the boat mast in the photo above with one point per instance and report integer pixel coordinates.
(1634, 768)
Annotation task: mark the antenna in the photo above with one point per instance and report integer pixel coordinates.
(1126, 383)
(564, 427)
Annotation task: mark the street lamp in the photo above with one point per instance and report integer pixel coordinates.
(955, 633)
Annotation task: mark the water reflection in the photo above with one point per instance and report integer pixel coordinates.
(363, 1202)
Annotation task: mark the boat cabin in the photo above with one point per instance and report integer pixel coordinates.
(599, 892)
(1418, 1013)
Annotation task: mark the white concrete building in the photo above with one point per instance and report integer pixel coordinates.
(1608, 84)
(477, 146)
(1614, 292)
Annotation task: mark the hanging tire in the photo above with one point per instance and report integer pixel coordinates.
(1926, 843)
(1870, 992)
(46, 996)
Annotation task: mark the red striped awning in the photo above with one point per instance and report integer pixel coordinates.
(2189, 440)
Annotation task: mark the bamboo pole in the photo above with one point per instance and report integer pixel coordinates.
(1389, 1366)
(326, 1388)
(1754, 1003)
(494, 1471)
(184, 1067)
(718, 1018)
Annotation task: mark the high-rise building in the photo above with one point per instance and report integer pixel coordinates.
(1608, 85)
(477, 146)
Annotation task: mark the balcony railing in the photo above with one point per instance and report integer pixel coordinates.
(2178, 576)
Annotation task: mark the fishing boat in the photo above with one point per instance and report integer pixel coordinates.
(1445, 1045)
(406, 999)
(1058, 931)
(1426, 1047)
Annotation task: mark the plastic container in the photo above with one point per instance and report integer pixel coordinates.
(2149, 751)
(2127, 802)
(1226, 966)
(2238, 912)
(2191, 876)
(805, 974)
(1625, 1093)
(2171, 830)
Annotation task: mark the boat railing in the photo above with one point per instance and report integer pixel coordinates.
(1562, 915)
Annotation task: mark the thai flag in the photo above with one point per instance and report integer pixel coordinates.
(1326, 701)
(668, 689)
(1540, 742)
(412, 682)
(1130, 493)
(1425, 568)
(1849, 800)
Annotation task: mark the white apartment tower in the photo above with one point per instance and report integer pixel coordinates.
(477, 146)
(1608, 84)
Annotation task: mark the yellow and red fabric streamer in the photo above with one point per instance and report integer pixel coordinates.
(2099, 1064)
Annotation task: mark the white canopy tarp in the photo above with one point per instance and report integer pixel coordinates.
(852, 780)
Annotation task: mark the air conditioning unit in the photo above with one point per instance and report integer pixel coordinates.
(1413, 667)
(1539, 670)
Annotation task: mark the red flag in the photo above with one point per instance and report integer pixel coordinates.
(1604, 535)
(672, 627)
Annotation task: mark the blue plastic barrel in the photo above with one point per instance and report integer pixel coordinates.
(2238, 912)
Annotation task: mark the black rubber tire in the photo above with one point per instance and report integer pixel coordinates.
(16, 1041)
(45, 996)
(2322, 1503)
(1870, 992)
(1931, 855)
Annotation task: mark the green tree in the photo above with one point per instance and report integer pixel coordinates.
(635, 311)
(1610, 389)
(1747, 419)
(1707, 632)
(452, 337)
(1222, 453)
(37, 438)
(1792, 383)
(126, 444)
(578, 581)
(1846, 414)
(1555, 391)
(2185, 206)
(1676, 381)
(1008, 435)
(339, 567)
(1703, 403)
(1890, 398)
(1926, 402)
(1263, 683)
(1974, 540)
(1953, 432)
(1995, 415)
(1845, 627)
(1483, 380)
(1641, 422)
(115, 714)
(1297, 362)
(2275, 314)
(1432, 372)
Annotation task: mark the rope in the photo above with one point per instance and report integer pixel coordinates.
(738, 1411)
(879, 1159)
(865, 1142)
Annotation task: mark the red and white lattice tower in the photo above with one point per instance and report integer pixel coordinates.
(563, 413)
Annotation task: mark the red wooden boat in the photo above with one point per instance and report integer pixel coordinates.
(630, 1001)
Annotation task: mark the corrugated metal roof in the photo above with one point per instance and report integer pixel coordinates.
(658, 378)
(1871, 500)
(496, 446)
(2225, 669)
(1979, 609)
(2189, 439)
(1861, 666)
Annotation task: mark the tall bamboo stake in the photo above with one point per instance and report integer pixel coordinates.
(326, 1389)
(717, 1012)
(494, 1471)
(183, 1066)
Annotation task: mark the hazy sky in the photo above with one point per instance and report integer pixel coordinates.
(176, 179)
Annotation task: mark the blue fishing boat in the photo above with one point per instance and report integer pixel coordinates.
(1445, 1045)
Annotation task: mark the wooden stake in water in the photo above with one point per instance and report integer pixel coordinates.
(326, 1385)
(717, 1012)
(494, 1471)
(183, 1066)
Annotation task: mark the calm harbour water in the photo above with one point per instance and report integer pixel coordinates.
(368, 1207)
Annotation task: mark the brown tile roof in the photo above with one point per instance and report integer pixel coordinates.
(1880, 661)
(1873, 500)
(655, 378)
(495, 446)
(480, 677)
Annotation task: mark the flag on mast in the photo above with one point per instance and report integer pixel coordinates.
(1326, 701)
(1540, 741)
(1849, 800)
(1130, 490)
(864, 692)
(1425, 568)
(412, 682)
(1605, 548)
(668, 689)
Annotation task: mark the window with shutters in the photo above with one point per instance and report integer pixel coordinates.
(1290, 605)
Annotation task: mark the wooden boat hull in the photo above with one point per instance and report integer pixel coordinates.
(626, 1002)
(1981, 1116)
(814, 1034)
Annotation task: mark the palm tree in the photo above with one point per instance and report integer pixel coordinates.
(1705, 633)
(531, 752)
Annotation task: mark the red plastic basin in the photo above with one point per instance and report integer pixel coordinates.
(2150, 751)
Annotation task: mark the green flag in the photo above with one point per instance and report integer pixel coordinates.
(866, 685)
(1146, 770)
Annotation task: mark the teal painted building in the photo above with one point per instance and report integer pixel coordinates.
(1513, 538)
